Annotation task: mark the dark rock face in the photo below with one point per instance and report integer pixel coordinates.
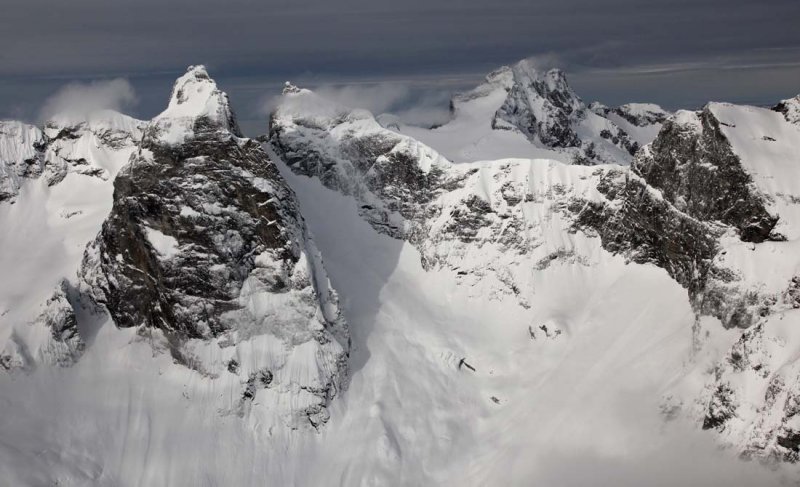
(693, 164)
(204, 195)
(638, 223)
(637, 114)
(721, 408)
(205, 246)
(620, 138)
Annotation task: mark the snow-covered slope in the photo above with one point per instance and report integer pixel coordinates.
(56, 211)
(520, 111)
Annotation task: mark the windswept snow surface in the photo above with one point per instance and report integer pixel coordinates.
(45, 231)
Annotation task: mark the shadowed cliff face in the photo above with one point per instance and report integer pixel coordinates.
(205, 242)
(693, 164)
(202, 196)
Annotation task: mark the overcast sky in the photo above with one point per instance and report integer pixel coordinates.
(679, 53)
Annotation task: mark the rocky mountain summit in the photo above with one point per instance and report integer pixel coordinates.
(543, 107)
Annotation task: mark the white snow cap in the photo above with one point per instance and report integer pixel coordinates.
(195, 95)
(688, 119)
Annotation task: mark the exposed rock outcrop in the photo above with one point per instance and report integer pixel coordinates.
(693, 164)
(205, 247)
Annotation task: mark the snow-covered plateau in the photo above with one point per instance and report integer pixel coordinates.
(537, 292)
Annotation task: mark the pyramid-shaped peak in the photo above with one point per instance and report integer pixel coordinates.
(195, 88)
(196, 97)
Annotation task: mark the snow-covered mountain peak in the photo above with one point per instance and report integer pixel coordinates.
(687, 120)
(196, 104)
(544, 108)
(93, 144)
(790, 108)
(551, 84)
(524, 111)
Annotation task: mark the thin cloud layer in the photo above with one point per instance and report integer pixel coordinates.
(78, 99)
(272, 40)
